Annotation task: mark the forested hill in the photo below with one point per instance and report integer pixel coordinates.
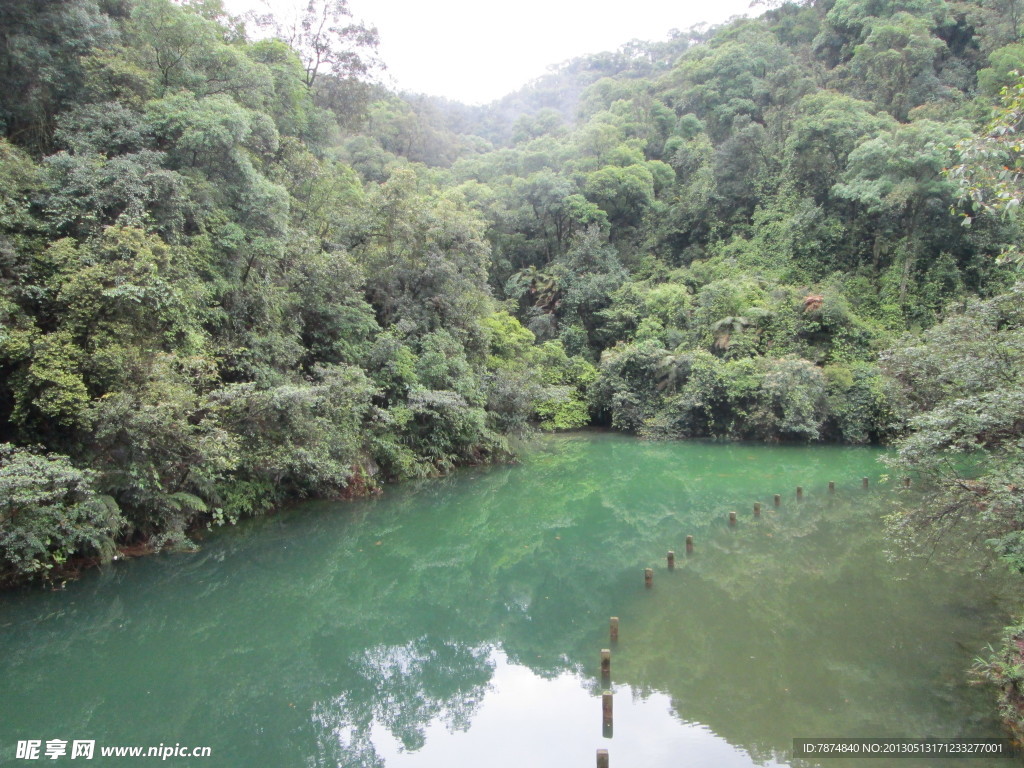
(234, 271)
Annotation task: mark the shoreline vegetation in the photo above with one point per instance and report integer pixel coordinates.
(236, 271)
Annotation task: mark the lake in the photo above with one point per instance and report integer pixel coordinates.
(459, 622)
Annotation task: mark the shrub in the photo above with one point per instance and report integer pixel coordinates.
(49, 511)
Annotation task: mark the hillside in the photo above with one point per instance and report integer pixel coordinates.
(235, 271)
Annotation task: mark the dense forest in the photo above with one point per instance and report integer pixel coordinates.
(235, 271)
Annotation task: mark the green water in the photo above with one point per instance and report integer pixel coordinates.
(458, 623)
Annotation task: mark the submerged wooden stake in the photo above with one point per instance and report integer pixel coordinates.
(602, 758)
(906, 482)
(831, 486)
(864, 482)
(606, 662)
(732, 518)
(757, 509)
(799, 492)
(689, 545)
(671, 559)
(613, 629)
(778, 500)
(648, 576)
(606, 708)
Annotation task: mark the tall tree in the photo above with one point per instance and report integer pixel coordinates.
(328, 39)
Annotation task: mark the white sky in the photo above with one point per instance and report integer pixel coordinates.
(476, 51)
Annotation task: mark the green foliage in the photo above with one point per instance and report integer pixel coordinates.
(234, 272)
(1003, 668)
(426, 258)
(964, 382)
(559, 409)
(42, 63)
(727, 78)
(562, 403)
(864, 405)
(895, 64)
(298, 438)
(508, 342)
(51, 387)
(49, 511)
(203, 303)
(336, 322)
(624, 194)
(328, 41)
(792, 399)
(20, 181)
(1004, 62)
(988, 174)
(186, 52)
(157, 437)
(827, 127)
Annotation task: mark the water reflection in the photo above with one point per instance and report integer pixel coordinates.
(400, 691)
(526, 719)
(459, 622)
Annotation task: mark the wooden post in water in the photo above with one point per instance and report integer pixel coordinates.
(613, 629)
(606, 709)
(689, 545)
(602, 758)
(606, 663)
(864, 482)
(757, 509)
(799, 492)
(648, 577)
(906, 482)
(732, 519)
(778, 501)
(671, 560)
(831, 486)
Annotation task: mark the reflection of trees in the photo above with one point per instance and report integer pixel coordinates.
(402, 688)
(298, 635)
(801, 624)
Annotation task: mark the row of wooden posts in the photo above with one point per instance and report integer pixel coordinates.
(613, 624)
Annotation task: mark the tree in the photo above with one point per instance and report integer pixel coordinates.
(298, 438)
(727, 78)
(42, 45)
(1005, 65)
(185, 49)
(898, 178)
(988, 177)
(541, 288)
(792, 399)
(591, 271)
(999, 22)
(964, 379)
(624, 194)
(849, 22)
(425, 257)
(327, 40)
(895, 66)
(826, 128)
(50, 511)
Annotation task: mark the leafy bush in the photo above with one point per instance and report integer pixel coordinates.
(791, 399)
(964, 380)
(49, 512)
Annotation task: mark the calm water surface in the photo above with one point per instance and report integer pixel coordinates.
(458, 623)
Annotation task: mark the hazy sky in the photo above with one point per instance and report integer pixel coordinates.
(476, 51)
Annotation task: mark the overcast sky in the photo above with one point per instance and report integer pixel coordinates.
(476, 51)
